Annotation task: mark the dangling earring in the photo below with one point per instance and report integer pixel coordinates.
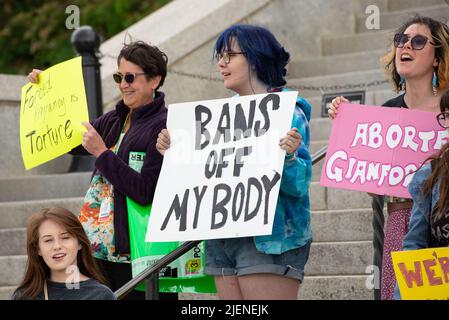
(402, 84)
(435, 84)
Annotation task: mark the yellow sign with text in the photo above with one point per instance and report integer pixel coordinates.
(422, 274)
(51, 113)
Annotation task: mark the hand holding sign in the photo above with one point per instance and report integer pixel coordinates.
(33, 76)
(163, 141)
(333, 106)
(221, 178)
(291, 141)
(376, 149)
(92, 141)
(51, 112)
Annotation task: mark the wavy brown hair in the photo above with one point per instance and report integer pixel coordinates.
(440, 172)
(440, 36)
(37, 270)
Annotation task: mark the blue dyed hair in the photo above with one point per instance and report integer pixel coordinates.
(263, 51)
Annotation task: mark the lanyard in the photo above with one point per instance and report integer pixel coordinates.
(122, 134)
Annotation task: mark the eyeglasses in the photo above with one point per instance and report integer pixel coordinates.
(418, 42)
(226, 55)
(443, 119)
(129, 77)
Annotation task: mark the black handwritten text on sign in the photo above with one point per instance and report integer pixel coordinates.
(228, 191)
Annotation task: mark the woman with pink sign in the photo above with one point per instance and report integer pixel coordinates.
(418, 64)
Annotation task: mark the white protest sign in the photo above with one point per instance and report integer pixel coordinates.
(221, 176)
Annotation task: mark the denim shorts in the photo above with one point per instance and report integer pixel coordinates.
(239, 257)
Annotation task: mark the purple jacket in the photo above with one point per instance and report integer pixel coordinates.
(146, 123)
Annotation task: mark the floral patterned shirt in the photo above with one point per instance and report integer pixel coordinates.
(97, 218)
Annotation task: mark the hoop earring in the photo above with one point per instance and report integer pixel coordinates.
(402, 84)
(435, 84)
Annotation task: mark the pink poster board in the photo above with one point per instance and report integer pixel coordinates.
(377, 149)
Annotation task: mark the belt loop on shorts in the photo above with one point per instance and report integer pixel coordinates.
(287, 269)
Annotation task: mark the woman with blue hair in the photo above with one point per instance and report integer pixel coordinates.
(252, 61)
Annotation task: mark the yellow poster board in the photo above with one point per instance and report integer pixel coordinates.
(51, 113)
(422, 274)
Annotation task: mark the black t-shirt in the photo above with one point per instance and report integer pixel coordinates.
(398, 102)
(439, 229)
(90, 289)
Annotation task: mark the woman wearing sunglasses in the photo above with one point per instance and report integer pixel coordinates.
(429, 221)
(128, 164)
(418, 65)
(252, 61)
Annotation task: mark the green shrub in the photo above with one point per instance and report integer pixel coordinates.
(33, 33)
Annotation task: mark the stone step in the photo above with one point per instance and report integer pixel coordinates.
(379, 40)
(10, 83)
(348, 287)
(336, 199)
(342, 225)
(326, 258)
(328, 226)
(335, 64)
(370, 80)
(317, 167)
(15, 214)
(12, 269)
(316, 171)
(320, 128)
(13, 241)
(396, 5)
(44, 187)
(351, 287)
(392, 20)
(6, 292)
(316, 105)
(339, 258)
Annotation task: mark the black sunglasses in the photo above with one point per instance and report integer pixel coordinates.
(418, 42)
(442, 119)
(129, 77)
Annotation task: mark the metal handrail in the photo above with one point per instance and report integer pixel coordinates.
(153, 271)
(161, 263)
(378, 240)
(319, 155)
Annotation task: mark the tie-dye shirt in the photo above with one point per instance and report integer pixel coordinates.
(291, 226)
